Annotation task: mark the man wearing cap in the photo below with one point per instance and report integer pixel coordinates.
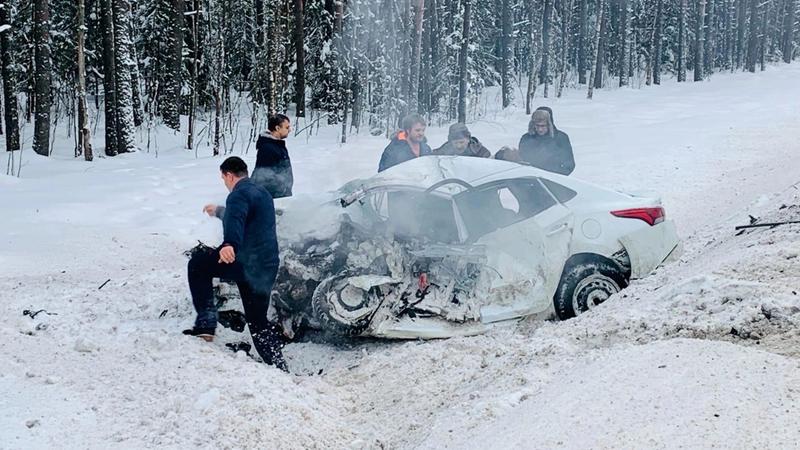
(460, 142)
(544, 146)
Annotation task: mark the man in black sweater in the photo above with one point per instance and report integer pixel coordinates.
(546, 147)
(248, 255)
(273, 169)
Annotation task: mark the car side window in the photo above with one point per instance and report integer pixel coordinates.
(415, 215)
(500, 204)
(562, 193)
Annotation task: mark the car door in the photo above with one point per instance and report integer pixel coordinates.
(526, 233)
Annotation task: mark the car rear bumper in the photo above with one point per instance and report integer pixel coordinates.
(649, 247)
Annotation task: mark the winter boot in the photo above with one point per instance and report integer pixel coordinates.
(207, 334)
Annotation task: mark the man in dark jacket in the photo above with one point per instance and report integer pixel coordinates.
(248, 255)
(460, 142)
(409, 143)
(546, 147)
(273, 169)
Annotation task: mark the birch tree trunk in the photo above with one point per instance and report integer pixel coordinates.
(83, 134)
(195, 15)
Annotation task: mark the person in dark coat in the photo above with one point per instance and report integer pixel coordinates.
(507, 153)
(460, 142)
(546, 147)
(407, 144)
(248, 255)
(273, 168)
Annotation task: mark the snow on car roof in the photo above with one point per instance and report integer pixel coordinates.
(428, 170)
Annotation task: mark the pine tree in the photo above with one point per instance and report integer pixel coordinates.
(582, 43)
(506, 18)
(682, 42)
(597, 57)
(123, 67)
(788, 30)
(41, 74)
(699, 40)
(299, 73)
(623, 43)
(109, 79)
(9, 81)
(657, 42)
(462, 63)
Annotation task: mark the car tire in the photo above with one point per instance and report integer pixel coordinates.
(344, 309)
(586, 285)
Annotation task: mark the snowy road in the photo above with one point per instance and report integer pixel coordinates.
(706, 351)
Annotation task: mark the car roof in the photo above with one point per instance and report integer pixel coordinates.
(426, 171)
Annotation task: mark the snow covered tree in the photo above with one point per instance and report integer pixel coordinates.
(682, 41)
(42, 70)
(462, 63)
(699, 40)
(84, 144)
(123, 82)
(7, 72)
(788, 30)
(506, 64)
(752, 41)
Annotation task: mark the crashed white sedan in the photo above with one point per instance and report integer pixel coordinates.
(444, 245)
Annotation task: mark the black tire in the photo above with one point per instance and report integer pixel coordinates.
(339, 309)
(586, 285)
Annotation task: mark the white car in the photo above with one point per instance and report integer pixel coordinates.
(444, 245)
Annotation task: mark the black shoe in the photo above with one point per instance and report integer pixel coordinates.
(207, 334)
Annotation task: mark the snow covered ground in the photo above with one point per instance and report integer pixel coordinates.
(704, 353)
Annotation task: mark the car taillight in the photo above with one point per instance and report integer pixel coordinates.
(650, 215)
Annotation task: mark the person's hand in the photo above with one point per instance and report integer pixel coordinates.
(227, 255)
(210, 209)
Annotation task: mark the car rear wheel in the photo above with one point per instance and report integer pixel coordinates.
(586, 285)
(343, 308)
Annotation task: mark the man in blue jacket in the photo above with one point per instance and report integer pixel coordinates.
(406, 144)
(248, 255)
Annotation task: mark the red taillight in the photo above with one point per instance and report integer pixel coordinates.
(650, 215)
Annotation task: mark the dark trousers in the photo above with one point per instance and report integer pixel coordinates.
(203, 268)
